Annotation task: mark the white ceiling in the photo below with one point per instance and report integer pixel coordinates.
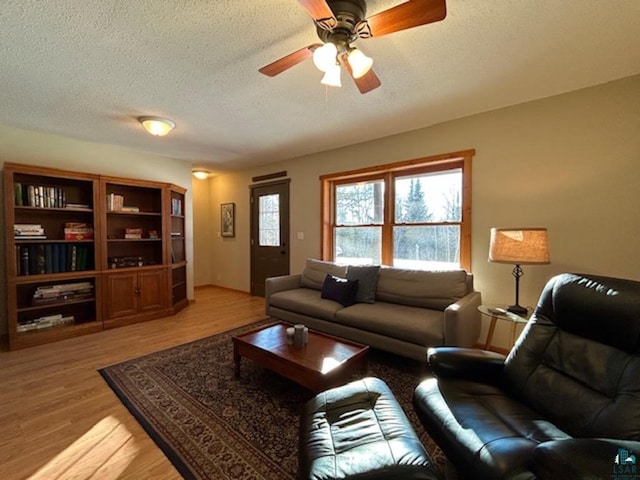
(88, 68)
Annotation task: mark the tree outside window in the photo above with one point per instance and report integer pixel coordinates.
(412, 214)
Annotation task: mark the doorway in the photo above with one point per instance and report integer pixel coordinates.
(269, 233)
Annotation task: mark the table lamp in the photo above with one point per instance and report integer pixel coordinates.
(519, 246)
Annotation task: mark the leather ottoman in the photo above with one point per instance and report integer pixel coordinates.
(359, 430)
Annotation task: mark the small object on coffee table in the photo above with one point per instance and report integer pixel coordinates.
(325, 362)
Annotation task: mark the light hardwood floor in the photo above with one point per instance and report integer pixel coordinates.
(60, 420)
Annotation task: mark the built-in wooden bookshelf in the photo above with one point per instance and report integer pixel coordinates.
(177, 252)
(87, 252)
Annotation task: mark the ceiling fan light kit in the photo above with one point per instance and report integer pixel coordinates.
(324, 57)
(331, 77)
(360, 63)
(339, 23)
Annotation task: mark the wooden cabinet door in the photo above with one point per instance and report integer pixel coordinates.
(152, 290)
(122, 299)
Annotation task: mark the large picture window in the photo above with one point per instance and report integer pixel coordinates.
(414, 215)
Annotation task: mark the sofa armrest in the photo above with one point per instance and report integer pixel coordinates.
(462, 321)
(466, 363)
(279, 284)
(592, 458)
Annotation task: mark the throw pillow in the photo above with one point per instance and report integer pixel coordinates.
(367, 277)
(339, 290)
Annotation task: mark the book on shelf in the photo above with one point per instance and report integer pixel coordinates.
(78, 206)
(53, 258)
(45, 322)
(48, 294)
(78, 231)
(27, 231)
(133, 233)
(41, 196)
(115, 203)
(176, 207)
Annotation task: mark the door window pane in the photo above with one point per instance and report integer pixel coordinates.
(427, 248)
(429, 197)
(358, 245)
(269, 220)
(360, 203)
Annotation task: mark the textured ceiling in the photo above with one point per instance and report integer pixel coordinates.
(88, 68)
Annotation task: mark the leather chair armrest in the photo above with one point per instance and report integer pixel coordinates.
(466, 363)
(586, 458)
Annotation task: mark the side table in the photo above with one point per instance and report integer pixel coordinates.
(490, 310)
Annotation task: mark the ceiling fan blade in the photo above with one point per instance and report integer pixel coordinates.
(289, 61)
(319, 11)
(369, 81)
(412, 13)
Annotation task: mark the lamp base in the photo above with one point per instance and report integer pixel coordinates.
(517, 309)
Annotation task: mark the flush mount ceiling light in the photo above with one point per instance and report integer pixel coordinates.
(201, 174)
(157, 126)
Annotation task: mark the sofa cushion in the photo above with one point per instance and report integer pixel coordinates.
(339, 290)
(315, 271)
(411, 324)
(305, 301)
(367, 277)
(428, 289)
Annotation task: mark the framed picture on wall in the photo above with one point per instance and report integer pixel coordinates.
(228, 219)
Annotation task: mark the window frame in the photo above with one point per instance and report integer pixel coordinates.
(388, 173)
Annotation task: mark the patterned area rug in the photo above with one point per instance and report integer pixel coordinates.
(212, 426)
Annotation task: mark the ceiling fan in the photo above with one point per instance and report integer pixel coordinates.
(339, 23)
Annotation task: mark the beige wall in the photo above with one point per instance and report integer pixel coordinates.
(21, 146)
(203, 231)
(570, 163)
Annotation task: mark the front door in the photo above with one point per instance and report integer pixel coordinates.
(269, 233)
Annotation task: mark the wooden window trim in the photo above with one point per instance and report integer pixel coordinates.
(388, 172)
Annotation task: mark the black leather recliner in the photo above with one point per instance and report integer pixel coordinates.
(565, 402)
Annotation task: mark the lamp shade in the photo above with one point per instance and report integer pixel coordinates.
(324, 57)
(157, 126)
(332, 76)
(520, 246)
(359, 62)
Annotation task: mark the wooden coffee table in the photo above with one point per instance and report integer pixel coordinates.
(324, 362)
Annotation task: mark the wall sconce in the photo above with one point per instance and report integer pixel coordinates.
(201, 174)
(157, 126)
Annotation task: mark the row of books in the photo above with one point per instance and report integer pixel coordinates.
(53, 258)
(47, 294)
(115, 203)
(38, 196)
(45, 322)
(43, 197)
(176, 206)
